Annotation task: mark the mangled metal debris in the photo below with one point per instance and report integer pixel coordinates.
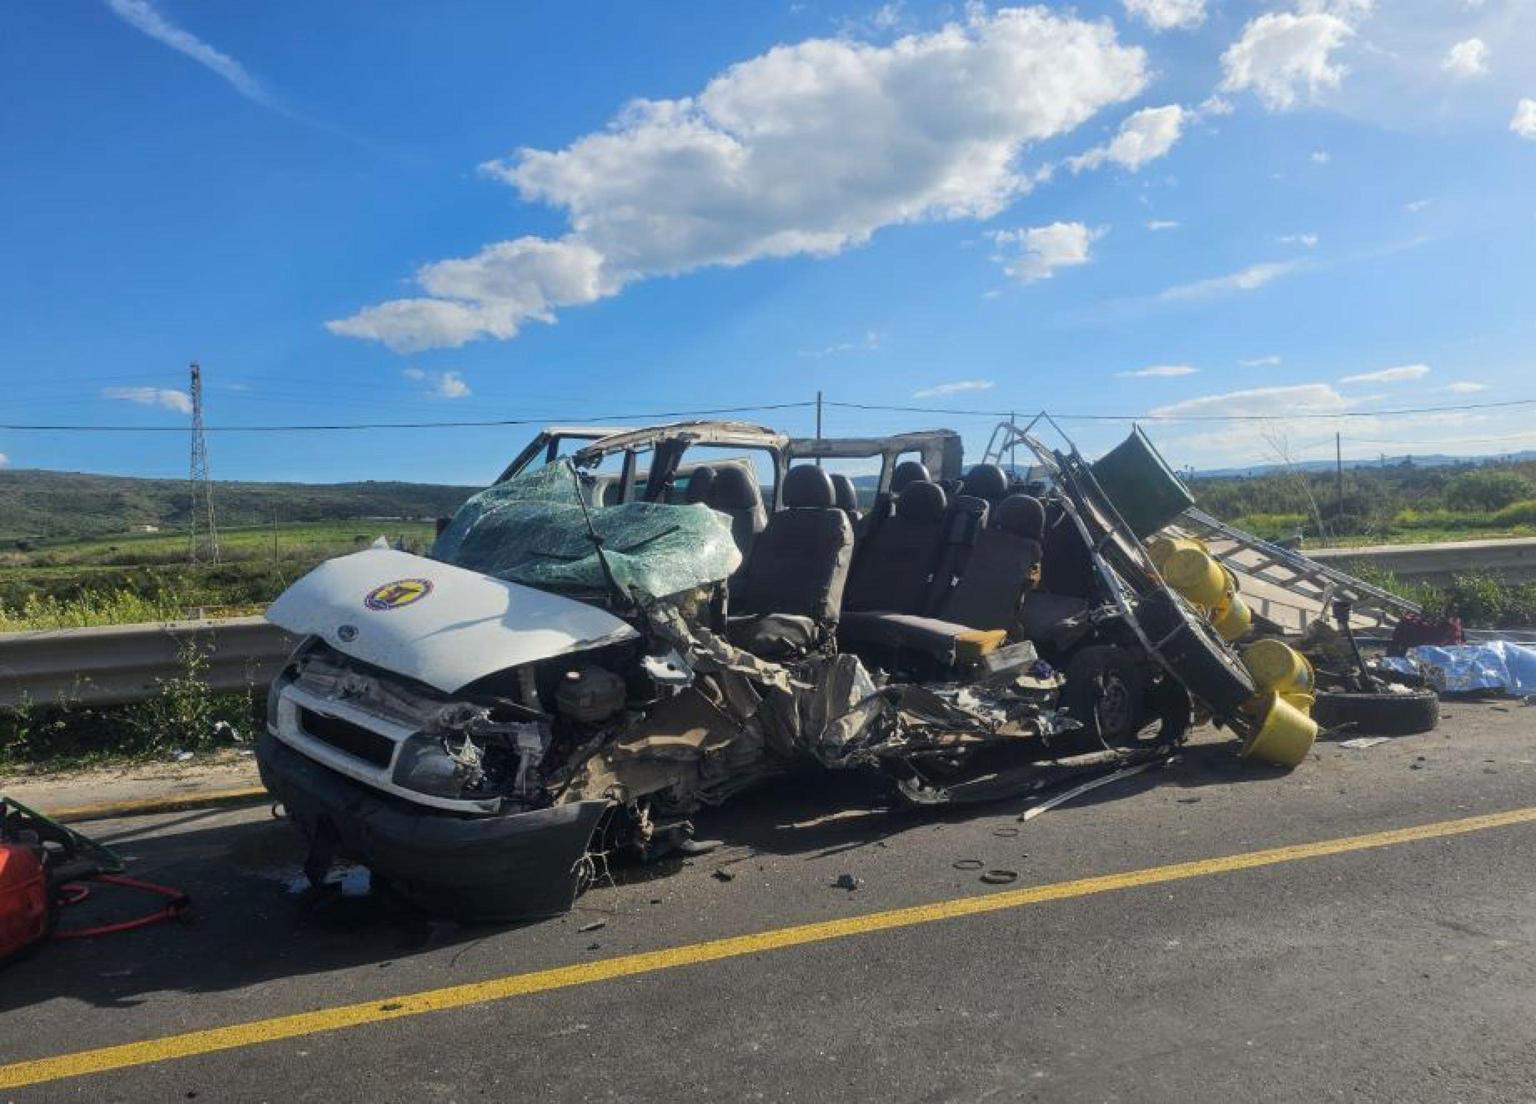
(594, 650)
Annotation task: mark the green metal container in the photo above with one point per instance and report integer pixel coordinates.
(1141, 484)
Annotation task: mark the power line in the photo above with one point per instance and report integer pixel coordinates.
(1152, 416)
(593, 419)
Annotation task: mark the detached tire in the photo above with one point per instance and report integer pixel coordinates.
(1104, 691)
(1378, 714)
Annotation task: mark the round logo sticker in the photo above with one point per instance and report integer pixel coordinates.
(400, 593)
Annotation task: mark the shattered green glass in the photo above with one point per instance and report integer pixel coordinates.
(532, 530)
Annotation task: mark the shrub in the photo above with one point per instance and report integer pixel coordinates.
(185, 715)
(1487, 490)
(1517, 513)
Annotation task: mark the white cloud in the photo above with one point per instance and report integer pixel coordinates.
(1249, 279)
(1281, 53)
(1321, 157)
(1044, 249)
(167, 397)
(1468, 58)
(1162, 15)
(1158, 371)
(1524, 122)
(1163, 224)
(1464, 387)
(807, 149)
(939, 390)
(1303, 398)
(1416, 206)
(1390, 375)
(1281, 419)
(869, 344)
(1144, 136)
(440, 385)
(142, 15)
(5, 460)
(1307, 240)
(1259, 362)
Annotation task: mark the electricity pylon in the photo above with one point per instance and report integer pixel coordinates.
(204, 543)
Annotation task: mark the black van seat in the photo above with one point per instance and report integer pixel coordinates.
(943, 642)
(791, 589)
(975, 615)
(906, 473)
(986, 481)
(700, 481)
(903, 476)
(898, 559)
(847, 497)
(1001, 566)
(1044, 616)
(735, 493)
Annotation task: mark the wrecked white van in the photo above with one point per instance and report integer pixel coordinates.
(593, 649)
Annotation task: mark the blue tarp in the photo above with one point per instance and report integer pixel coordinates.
(1500, 665)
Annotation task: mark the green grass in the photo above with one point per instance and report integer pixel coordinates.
(145, 577)
(302, 539)
(1482, 600)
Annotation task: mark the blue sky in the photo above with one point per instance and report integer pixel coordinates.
(459, 211)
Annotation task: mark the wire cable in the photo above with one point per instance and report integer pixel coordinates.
(597, 419)
(1154, 416)
(1150, 416)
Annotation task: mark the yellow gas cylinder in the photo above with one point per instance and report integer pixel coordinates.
(1193, 573)
(1231, 618)
(1277, 666)
(1283, 737)
(1303, 702)
(1160, 548)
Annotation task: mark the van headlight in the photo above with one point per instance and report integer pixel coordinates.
(443, 766)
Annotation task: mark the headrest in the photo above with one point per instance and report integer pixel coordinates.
(986, 481)
(699, 482)
(808, 485)
(847, 494)
(733, 489)
(921, 502)
(1020, 514)
(908, 471)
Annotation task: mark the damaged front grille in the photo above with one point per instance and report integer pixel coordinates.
(354, 739)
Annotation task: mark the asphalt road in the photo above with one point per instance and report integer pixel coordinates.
(1399, 972)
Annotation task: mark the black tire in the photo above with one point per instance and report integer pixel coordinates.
(1104, 691)
(1378, 714)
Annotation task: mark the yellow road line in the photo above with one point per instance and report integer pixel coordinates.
(214, 1039)
(170, 803)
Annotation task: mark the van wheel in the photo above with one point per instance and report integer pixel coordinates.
(1104, 691)
(1378, 714)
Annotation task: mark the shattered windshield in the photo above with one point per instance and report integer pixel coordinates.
(531, 529)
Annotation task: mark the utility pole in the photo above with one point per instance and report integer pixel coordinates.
(203, 545)
(1338, 475)
(818, 425)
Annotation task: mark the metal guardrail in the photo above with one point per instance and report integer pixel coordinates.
(128, 663)
(1512, 558)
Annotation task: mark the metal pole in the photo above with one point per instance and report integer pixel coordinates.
(818, 426)
(1338, 476)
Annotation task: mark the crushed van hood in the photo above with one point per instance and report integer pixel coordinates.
(443, 625)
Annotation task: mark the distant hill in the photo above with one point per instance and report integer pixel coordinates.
(49, 505)
(1429, 460)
